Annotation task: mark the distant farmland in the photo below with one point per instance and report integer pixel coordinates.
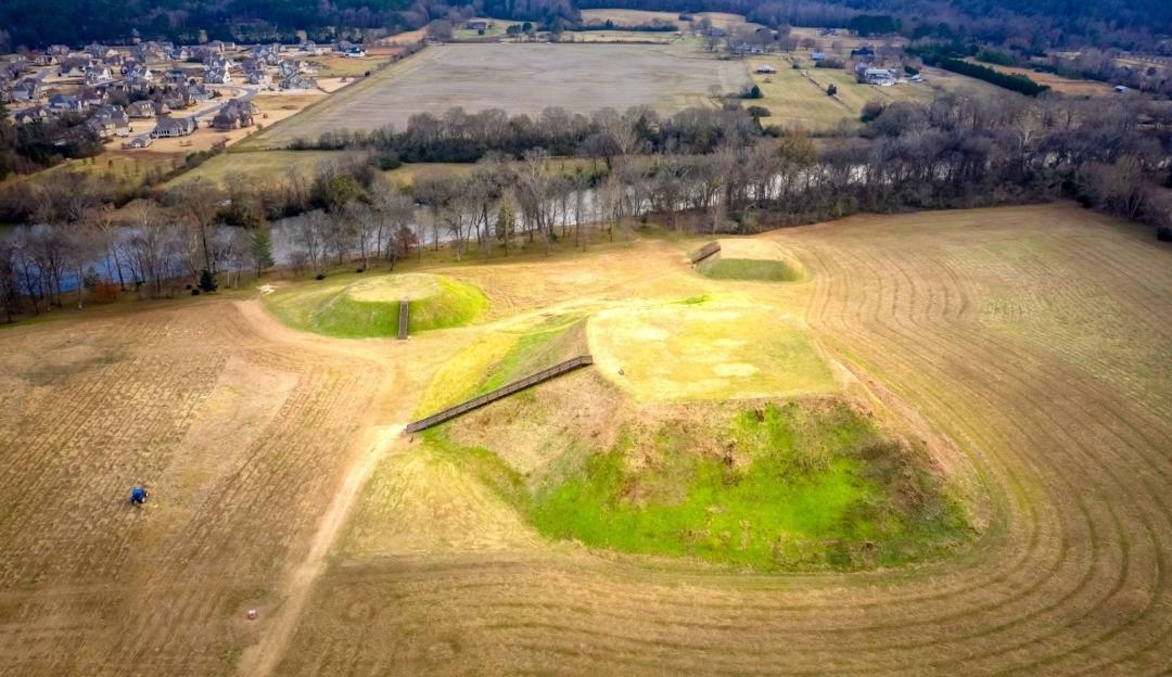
(519, 78)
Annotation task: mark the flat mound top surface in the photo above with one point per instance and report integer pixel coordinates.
(708, 351)
(745, 248)
(519, 78)
(389, 289)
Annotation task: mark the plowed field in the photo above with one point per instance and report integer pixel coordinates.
(1035, 338)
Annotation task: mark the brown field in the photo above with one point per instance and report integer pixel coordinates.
(632, 17)
(1034, 338)
(1081, 88)
(519, 78)
(271, 165)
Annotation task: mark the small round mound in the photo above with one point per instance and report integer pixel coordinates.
(370, 307)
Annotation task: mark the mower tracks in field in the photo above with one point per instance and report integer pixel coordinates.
(262, 658)
(402, 368)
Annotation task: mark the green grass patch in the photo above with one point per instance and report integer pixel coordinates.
(457, 304)
(555, 340)
(803, 486)
(749, 269)
(353, 310)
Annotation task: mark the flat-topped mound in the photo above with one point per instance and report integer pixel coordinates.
(370, 307)
(392, 288)
(706, 351)
(750, 260)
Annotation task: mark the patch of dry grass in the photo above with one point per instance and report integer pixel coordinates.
(710, 350)
(519, 78)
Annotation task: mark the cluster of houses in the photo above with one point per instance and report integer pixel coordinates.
(864, 69)
(111, 86)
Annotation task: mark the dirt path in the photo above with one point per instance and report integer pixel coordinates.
(405, 367)
(261, 659)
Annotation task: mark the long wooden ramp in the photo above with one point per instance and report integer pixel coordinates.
(500, 393)
(404, 307)
(706, 252)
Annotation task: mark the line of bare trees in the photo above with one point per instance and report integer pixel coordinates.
(955, 151)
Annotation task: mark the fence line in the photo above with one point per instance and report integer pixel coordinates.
(500, 393)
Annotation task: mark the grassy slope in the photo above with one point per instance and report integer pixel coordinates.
(820, 489)
(808, 485)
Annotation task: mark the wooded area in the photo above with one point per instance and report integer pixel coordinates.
(1046, 24)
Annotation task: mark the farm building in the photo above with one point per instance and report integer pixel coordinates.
(876, 76)
(172, 127)
(765, 70)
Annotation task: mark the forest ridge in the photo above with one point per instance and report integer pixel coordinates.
(1043, 24)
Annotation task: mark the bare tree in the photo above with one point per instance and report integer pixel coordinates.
(155, 248)
(200, 201)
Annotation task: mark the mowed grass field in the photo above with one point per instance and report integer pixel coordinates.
(1025, 346)
(518, 78)
(797, 98)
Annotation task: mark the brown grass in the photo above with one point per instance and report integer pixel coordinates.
(1067, 579)
(1033, 338)
(1061, 85)
(518, 78)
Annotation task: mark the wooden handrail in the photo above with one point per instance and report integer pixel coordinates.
(500, 393)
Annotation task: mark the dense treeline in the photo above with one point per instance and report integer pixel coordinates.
(1040, 26)
(1012, 82)
(1047, 24)
(458, 136)
(34, 24)
(30, 147)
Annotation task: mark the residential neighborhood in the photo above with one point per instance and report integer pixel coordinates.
(156, 89)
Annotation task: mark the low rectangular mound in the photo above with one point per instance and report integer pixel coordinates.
(719, 268)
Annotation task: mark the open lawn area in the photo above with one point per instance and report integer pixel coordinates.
(518, 78)
(264, 165)
(797, 98)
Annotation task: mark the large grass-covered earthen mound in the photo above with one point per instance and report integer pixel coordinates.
(370, 307)
(798, 485)
(803, 484)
